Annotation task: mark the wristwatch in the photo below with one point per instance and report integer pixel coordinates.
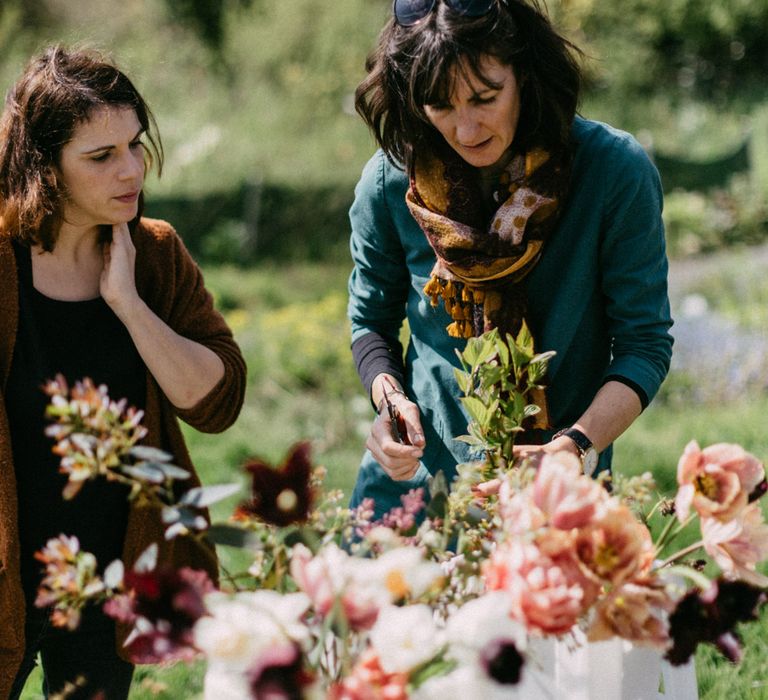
(587, 452)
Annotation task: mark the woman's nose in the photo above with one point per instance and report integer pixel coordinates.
(466, 127)
(132, 167)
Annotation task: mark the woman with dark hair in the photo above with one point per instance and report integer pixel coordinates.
(89, 288)
(490, 203)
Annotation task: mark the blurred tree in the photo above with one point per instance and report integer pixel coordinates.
(704, 49)
(206, 18)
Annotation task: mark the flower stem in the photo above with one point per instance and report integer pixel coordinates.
(682, 553)
(668, 536)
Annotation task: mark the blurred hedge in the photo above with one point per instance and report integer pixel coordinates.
(709, 204)
(260, 220)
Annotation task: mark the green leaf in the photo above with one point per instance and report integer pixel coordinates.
(490, 375)
(503, 351)
(439, 666)
(149, 454)
(464, 380)
(144, 471)
(524, 339)
(476, 408)
(438, 505)
(699, 579)
(531, 410)
(520, 360)
(204, 496)
(437, 483)
(230, 536)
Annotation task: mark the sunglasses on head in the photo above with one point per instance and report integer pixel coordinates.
(409, 12)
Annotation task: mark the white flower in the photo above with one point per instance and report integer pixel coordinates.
(243, 626)
(222, 684)
(405, 638)
(464, 683)
(403, 571)
(480, 622)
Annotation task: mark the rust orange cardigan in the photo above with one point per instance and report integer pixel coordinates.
(171, 284)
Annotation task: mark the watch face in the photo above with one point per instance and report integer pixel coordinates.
(589, 462)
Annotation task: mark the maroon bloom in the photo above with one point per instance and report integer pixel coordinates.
(283, 495)
(711, 617)
(163, 606)
(502, 661)
(279, 675)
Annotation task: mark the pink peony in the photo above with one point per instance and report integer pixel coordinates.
(519, 515)
(567, 497)
(331, 575)
(636, 611)
(615, 547)
(544, 597)
(739, 544)
(716, 481)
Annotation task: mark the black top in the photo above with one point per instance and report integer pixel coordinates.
(77, 339)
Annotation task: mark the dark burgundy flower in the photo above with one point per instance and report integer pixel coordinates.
(759, 491)
(279, 675)
(163, 606)
(283, 495)
(711, 617)
(502, 661)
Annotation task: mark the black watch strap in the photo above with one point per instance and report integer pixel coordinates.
(581, 440)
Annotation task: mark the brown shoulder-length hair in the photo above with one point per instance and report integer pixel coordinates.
(416, 66)
(58, 91)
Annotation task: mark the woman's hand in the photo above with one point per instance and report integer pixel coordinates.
(118, 282)
(536, 452)
(185, 370)
(400, 461)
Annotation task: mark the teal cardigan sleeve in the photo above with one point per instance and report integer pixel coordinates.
(380, 280)
(633, 269)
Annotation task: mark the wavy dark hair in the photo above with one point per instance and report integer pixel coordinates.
(58, 91)
(416, 66)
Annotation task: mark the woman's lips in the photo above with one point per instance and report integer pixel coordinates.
(129, 198)
(478, 146)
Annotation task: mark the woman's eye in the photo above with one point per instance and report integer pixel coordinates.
(101, 157)
(485, 100)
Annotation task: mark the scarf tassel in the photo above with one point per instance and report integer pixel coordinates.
(459, 302)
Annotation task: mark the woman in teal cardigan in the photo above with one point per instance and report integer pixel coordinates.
(489, 203)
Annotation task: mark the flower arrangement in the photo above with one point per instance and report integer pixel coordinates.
(452, 593)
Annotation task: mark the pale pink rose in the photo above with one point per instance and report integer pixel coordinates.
(519, 515)
(739, 544)
(615, 547)
(332, 575)
(636, 611)
(567, 497)
(543, 598)
(716, 481)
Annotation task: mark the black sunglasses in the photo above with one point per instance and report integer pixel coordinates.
(409, 12)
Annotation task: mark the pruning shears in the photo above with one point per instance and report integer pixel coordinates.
(397, 427)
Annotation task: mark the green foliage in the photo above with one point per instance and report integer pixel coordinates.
(496, 379)
(702, 222)
(707, 50)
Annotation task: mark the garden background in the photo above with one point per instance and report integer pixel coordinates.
(254, 100)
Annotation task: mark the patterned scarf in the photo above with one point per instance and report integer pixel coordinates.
(481, 263)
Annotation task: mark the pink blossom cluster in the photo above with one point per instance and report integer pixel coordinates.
(566, 545)
(722, 483)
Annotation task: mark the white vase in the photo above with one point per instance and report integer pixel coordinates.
(575, 669)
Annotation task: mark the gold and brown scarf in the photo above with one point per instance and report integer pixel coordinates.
(483, 259)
